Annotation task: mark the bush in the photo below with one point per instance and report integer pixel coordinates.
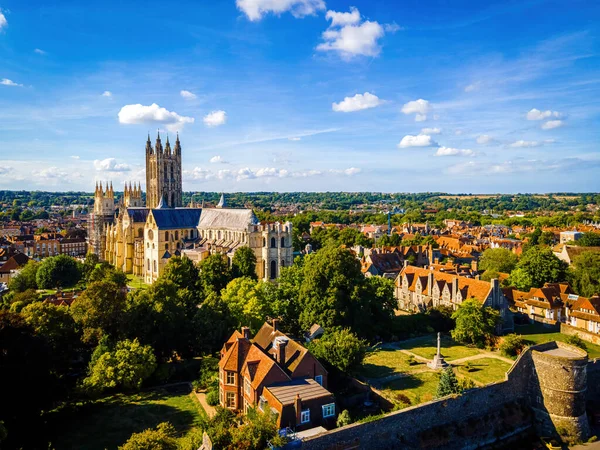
(160, 438)
(341, 349)
(576, 341)
(411, 360)
(512, 345)
(468, 366)
(344, 419)
(212, 397)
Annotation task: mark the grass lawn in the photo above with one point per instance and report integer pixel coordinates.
(426, 346)
(108, 422)
(418, 388)
(484, 370)
(135, 282)
(384, 362)
(538, 334)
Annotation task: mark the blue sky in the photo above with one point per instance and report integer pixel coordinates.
(317, 95)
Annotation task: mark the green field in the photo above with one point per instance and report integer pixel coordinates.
(418, 388)
(108, 422)
(485, 370)
(538, 334)
(426, 347)
(385, 362)
(135, 282)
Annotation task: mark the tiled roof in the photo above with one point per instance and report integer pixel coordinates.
(176, 218)
(229, 219)
(258, 365)
(307, 389)
(138, 214)
(14, 262)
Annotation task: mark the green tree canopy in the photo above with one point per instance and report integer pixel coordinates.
(341, 349)
(243, 263)
(163, 437)
(126, 367)
(448, 383)
(214, 273)
(475, 324)
(183, 272)
(498, 260)
(538, 266)
(585, 274)
(590, 239)
(58, 271)
(26, 278)
(246, 302)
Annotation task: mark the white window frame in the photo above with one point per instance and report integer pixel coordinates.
(319, 379)
(227, 393)
(247, 386)
(227, 374)
(328, 410)
(305, 416)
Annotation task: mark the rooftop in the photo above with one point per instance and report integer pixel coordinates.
(308, 389)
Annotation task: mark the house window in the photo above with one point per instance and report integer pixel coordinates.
(262, 403)
(319, 379)
(247, 387)
(231, 378)
(328, 410)
(305, 416)
(221, 376)
(230, 403)
(220, 395)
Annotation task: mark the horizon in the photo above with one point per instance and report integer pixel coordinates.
(304, 95)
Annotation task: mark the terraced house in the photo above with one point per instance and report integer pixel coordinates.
(274, 372)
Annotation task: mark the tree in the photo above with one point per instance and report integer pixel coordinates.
(100, 310)
(21, 299)
(58, 271)
(213, 323)
(163, 437)
(498, 260)
(214, 273)
(245, 300)
(26, 278)
(91, 260)
(536, 267)
(126, 367)
(183, 272)
(341, 349)
(107, 272)
(585, 274)
(475, 324)
(547, 238)
(243, 263)
(256, 430)
(448, 384)
(590, 239)
(344, 419)
(512, 345)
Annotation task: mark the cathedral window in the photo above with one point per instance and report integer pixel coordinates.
(166, 235)
(155, 266)
(166, 246)
(282, 263)
(176, 235)
(273, 243)
(282, 242)
(148, 265)
(264, 242)
(273, 273)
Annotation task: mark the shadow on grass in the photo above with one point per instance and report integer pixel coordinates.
(407, 382)
(109, 422)
(535, 328)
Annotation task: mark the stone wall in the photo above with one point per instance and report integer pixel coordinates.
(481, 416)
(583, 334)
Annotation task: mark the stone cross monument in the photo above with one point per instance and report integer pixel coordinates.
(438, 360)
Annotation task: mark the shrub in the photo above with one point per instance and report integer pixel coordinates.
(160, 438)
(212, 397)
(512, 345)
(468, 366)
(411, 360)
(576, 341)
(344, 419)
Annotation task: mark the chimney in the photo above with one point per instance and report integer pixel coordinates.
(281, 352)
(436, 261)
(454, 288)
(495, 285)
(430, 283)
(275, 324)
(298, 408)
(474, 266)
(246, 332)
(405, 263)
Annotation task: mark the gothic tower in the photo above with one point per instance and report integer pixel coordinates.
(163, 173)
(132, 196)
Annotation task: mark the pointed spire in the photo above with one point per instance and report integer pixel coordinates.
(222, 203)
(177, 149)
(158, 147)
(163, 203)
(168, 147)
(149, 145)
(96, 190)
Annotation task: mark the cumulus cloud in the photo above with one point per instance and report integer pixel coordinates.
(256, 9)
(110, 165)
(75, 156)
(552, 124)
(349, 172)
(247, 173)
(350, 37)
(430, 131)
(536, 114)
(418, 107)
(528, 144)
(153, 114)
(3, 21)
(5, 169)
(217, 159)
(54, 174)
(448, 151)
(7, 82)
(39, 51)
(107, 94)
(485, 139)
(421, 140)
(357, 103)
(215, 118)
(187, 94)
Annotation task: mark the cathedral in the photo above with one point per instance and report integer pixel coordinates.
(140, 239)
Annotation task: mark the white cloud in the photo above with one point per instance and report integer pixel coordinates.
(349, 37)
(7, 82)
(138, 114)
(54, 174)
(215, 118)
(187, 95)
(418, 107)
(473, 86)
(3, 21)
(39, 51)
(349, 172)
(485, 139)
(357, 103)
(431, 131)
(522, 165)
(448, 151)
(5, 169)
(256, 9)
(529, 144)
(295, 138)
(75, 157)
(107, 94)
(552, 124)
(458, 132)
(110, 165)
(536, 114)
(247, 173)
(421, 140)
(217, 159)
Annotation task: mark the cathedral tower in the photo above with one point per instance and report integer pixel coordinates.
(163, 173)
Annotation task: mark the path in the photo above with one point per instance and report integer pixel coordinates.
(210, 410)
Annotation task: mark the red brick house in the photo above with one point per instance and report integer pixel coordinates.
(277, 373)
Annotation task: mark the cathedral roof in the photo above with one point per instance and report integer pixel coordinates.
(138, 214)
(176, 217)
(229, 219)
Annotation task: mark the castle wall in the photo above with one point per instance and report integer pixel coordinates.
(583, 334)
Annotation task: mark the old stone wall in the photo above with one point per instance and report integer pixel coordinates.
(477, 417)
(583, 334)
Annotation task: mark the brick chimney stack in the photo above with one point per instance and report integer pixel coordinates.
(275, 324)
(246, 332)
(281, 352)
(454, 288)
(298, 408)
